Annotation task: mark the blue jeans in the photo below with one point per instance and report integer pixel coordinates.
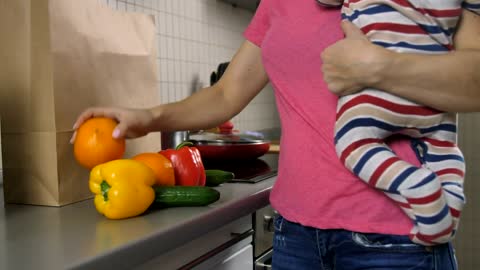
(296, 247)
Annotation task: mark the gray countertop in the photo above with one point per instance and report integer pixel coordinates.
(77, 237)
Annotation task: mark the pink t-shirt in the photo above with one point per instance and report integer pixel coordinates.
(313, 188)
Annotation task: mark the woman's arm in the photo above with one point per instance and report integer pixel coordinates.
(449, 82)
(244, 78)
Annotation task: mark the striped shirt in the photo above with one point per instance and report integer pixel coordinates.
(417, 26)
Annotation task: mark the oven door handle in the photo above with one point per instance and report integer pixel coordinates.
(268, 222)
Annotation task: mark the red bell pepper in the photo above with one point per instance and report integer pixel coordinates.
(187, 165)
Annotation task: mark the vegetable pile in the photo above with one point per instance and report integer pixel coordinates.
(126, 188)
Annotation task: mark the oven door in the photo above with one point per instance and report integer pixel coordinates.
(263, 237)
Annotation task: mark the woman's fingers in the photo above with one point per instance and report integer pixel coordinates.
(120, 130)
(74, 136)
(352, 31)
(96, 112)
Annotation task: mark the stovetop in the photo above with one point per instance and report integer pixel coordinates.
(247, 171)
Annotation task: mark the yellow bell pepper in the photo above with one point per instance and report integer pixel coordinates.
(123, 188)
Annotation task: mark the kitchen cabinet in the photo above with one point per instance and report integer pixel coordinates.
(228, 247)
(466, 241)
(230, 259)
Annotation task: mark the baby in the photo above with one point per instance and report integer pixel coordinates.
(432, 196)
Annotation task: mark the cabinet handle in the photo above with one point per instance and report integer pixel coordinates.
(263, 266)
(264, 262)
(218, 249)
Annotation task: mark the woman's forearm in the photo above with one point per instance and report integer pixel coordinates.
(191, 113)
(244, 78)
(449, 82)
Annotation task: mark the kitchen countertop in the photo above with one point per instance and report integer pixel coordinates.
(77, 237)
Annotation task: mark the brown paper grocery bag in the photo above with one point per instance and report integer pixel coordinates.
(58, 57)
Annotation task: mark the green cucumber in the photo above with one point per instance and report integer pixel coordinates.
(178, 196)
(217, 177)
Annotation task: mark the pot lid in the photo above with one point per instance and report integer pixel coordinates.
(234, 137)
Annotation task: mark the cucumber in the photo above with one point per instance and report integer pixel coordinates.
(178, 196)
(217, 177)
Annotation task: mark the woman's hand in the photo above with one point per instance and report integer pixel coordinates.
(132, 123)
(352, 63)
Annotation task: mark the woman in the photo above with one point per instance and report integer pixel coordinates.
(329, 219)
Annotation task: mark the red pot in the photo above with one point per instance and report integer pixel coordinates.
(232, 151)
(229, 144)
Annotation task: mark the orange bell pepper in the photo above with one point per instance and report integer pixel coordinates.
(161, 166)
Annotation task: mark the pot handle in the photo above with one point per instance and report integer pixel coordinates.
(226, 128)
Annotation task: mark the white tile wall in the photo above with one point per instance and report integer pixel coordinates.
(194, 36)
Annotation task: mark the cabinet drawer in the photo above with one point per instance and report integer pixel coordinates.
(238, 257)
(200, 246)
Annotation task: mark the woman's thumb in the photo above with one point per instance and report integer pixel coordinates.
(351, 31)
